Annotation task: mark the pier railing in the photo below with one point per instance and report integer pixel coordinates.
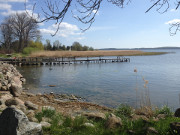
(61, 60)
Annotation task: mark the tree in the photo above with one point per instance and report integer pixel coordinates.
(87, 10)
(7, 34)
(48, 45)
(56, 45)
(24, 29)
(76, 46)
(19, 27)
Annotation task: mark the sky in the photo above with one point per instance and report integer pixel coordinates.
(114, 27)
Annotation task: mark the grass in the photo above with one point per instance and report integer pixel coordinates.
(164, 110)
(92, 53)
(65, 125)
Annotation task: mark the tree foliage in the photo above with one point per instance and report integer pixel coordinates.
(18, 27)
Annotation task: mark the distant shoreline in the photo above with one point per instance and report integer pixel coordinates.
(94, 53)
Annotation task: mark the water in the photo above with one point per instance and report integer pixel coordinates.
(110, 84)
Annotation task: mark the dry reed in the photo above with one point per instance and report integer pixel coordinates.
(92, 53)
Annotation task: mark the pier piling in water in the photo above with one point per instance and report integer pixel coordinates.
(61, 60)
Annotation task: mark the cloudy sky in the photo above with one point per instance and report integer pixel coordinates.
(114, 27)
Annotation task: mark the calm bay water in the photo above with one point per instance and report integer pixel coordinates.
(110, 84)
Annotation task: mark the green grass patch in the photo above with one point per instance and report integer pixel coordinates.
(64, 125)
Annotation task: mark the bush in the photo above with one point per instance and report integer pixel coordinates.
(124, 110)
(164, 110)
(45, 113)
(29, 50)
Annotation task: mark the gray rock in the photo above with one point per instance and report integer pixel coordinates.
(45, 124)
(1, 102)
(175, 126)
(30, 94)
(30, 105)
(16, 89)
(23, 80)
(11, 101)
(151, 131)
(4, 88)
(88, 125)
(15, 122)
(4, 83)
(113, 122)
(177, 113)
(95, 116)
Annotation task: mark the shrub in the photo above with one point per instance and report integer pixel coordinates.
(124, 110)
(164, 110)
(45, 113)
(29, 50)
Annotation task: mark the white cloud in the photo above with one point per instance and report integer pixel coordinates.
(13, 0)
(173, 10)
(5, 6)
(173, 21)
(94, 11)
(47, 31)
(66, 30)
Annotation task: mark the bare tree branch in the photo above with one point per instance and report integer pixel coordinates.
(88, 9)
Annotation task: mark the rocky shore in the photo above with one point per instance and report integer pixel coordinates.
(18, 107)
(18, 110)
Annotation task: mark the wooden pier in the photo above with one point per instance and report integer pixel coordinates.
(61, 60)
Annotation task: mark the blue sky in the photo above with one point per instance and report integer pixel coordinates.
(114, 27)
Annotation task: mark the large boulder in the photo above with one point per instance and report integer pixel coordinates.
(30, 105)
(175, 126)
(16, 89)
(11, 101)
(177, 113)
(14, 122)
(113, 122)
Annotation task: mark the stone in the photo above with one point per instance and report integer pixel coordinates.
(15, 89)
(4, 88)
(22, 108)
(136, 117)
(39, 94)
(11, 101)
(30, 94)
(161, 116)
(23, 80)
(43, 99)
(30, 113)
(177, 113)
(175, 126)
(17, 80)
(2, 107)
(96, 116)
(45, 119)
(14, 122)
(1, 102)
(33, 119)
(151, 131)
(113, 122)
(88, 125)
(45, 124)
(4, 83)
(30, 105)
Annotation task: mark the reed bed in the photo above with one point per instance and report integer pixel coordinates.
(92, 53)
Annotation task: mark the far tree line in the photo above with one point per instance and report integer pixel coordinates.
(20, 33)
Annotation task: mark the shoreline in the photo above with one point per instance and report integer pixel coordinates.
(36, 114)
